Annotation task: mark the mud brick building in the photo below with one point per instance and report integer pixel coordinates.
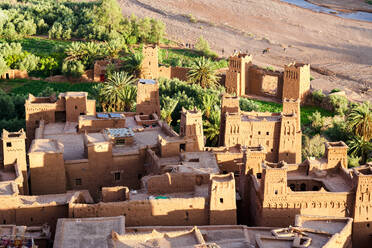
(244, 78)
(279, 133)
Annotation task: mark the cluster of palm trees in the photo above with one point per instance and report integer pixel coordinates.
(359, 122)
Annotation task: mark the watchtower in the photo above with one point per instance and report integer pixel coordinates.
(148, 101)
(229, 104)
(150, 63)
(237, 75)
(222, 203)
(14, 151)
(290, 139)
(292, 106)
(336, 154)
(296, 83)
(191, 127)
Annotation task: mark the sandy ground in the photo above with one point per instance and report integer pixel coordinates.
(340, 45)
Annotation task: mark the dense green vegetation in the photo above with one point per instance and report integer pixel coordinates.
(94, 20)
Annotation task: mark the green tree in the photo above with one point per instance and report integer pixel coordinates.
(360, 120)
(133, 64)
(113, 91)
(358, 147)
(313, 147)
(3, 66)
(209, 101)
(168, 106)
(212, 127)
(128, 96)
(73, 68)
(203, 73)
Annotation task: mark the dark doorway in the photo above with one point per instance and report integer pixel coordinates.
(60, 116)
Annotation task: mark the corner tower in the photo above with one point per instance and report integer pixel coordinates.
(150, 63)
(14, 151)
(229, 104)
(148, 101)
(296, 83)
(237, 75)
(191, 128)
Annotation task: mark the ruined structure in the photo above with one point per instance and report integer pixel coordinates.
(279, 133)
(13, 74)
(23, 236)
(244, 78)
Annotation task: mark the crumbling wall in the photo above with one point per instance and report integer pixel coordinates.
(174, 182)
(179, 72)
(96, 125)
(115, 194)
(162, 212)
(264, 82)
(13, 74)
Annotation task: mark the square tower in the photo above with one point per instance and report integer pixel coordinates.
(148, 101)
(14, 151)
(222, 203)
(296, 83)
(191, 128)
(336, 154)
(292, 106)
(237, 74)
(150, 63)
(229, 104)
(290, 142)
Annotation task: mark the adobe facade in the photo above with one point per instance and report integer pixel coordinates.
(275, 195)
(279, 133)
(244, 78)
(13, 74)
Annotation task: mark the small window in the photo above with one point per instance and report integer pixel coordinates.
(82, 113)
(182, 147)
(367, 224)
(276, 192)
(221, 200)
(8, 144)
(117, 176)
(259, 175)
(139, 176)
(259, 132)
(267, 133)
(78, 181)
(224, 172)
(75, 107)
(292, 187)
(287, 154)
(272, 149)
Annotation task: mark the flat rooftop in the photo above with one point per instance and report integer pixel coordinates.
(147, 81)
(87, 232)
(73, 142)
(191, 162)
(273, 118)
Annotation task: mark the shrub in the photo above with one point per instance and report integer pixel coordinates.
(338, 103)
(313, 147)
(47, 66)
(317, 121)
(3, 66)
(248, 105)
(202, 46)
(192, 19)
(318, 97)
(29, 63)
(335, 90)
(73, 68)
(353, 161)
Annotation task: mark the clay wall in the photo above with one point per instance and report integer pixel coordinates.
(179, 72)
(162, 212)
(362, 211)
(96, 125)
(75, 106)
(229, 161)
(290, 140)
(47, 172)
(34, 215)
(232, 82)
(336, 154)
(170, 147)
(13, 74)
(263, 82)
(115, 194)
(153, 160)
(150, 63)
(164, 71)
(174, 182)
(296, 83)
(191, 127)
(148, 101)
(222, 202)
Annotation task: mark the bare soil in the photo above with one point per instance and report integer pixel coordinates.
(340, 45)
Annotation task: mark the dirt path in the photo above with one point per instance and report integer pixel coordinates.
(326, 41)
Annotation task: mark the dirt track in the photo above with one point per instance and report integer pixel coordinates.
(340, 45)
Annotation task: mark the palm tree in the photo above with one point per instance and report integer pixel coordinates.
(112, 91)
(202, 72)
(212, 127)
(128, 96)
(133, 64)
(360, 148)
(208, 102)
(360, 120)
(169, 104)
(74, 51)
